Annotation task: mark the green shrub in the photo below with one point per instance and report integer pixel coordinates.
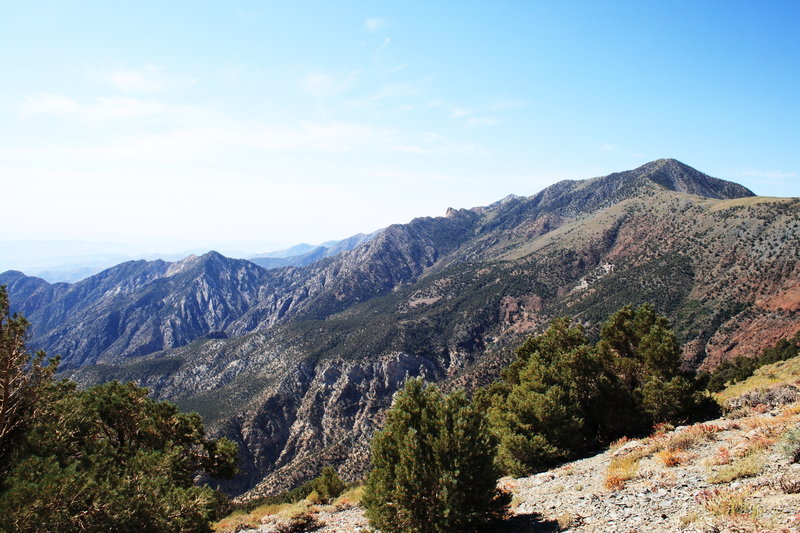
(328, 485)
(110, 458)
(748, 466)
(790, 444)
(105, 459)
(563, 395)
(433, 466)
(23, 382)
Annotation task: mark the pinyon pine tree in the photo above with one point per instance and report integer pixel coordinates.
(108, 458)
(23, 378)
(433, 466)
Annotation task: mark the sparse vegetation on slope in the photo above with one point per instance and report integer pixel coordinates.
(735, 370)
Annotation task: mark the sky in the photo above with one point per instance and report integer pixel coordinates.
(157, 127)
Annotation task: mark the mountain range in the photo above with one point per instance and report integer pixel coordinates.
(298, 363)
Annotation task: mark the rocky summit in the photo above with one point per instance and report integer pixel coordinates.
(297, 364)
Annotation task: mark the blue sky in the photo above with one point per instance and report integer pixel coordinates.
(163, 126)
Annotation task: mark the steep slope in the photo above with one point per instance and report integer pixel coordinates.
(138, 307)
(30, 293)
(143, 307)
(449, 297)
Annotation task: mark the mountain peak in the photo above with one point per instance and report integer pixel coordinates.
(680, 177)
(212, 255)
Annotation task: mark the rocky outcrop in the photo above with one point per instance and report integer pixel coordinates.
(317, 415)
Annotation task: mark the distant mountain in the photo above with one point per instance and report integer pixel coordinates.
(297, 364)
(137, 307)
(69, 274)
(305, 254)
(296, 250)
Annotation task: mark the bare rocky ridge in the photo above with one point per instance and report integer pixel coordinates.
(312, 354)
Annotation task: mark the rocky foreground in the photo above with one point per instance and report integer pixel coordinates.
(732, 474)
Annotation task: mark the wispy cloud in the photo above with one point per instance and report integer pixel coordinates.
(374, 24)
(394, 69)
(482, 121)
(472, 116)
(410, 149)
(507, 105)
(148, 79)
(391, 90)
(484, 115)
(461, 112)
(216, 141)
(381, 49)
(324, 84)
(102, 109)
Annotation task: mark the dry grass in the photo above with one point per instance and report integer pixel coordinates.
(619, 443)
(728, 502)
(663, 479)
(748, 466)
(305, 521)
(349, 498)
(758, 444)
(781, 373)
(662, 428)
(240, 520)
(791, 410)
(722, 457)
(567, 470)
(672, 458)
(236, 521)
(287, 516)
(689, 518)
(568, 521)
(789, 482)
(692, 436)
(621, 470)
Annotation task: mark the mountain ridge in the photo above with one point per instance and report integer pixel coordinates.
(313, 354)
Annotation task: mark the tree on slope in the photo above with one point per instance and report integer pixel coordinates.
(433, 466)
(105, 459)
(554, 401)
(564, 396)
(23, 378)
(112, 459)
